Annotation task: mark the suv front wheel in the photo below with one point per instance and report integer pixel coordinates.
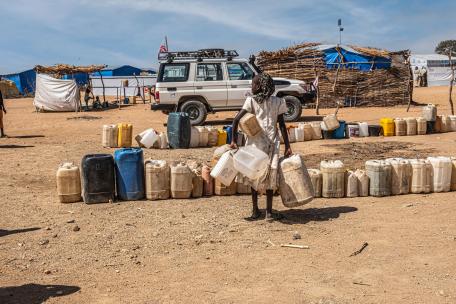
(294, 108)
(196, 110)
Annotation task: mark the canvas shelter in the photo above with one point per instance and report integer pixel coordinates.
(56, 95)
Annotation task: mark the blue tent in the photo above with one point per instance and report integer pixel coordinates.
(124, 70)
(25, 81)
(349, 58)
(80, 78)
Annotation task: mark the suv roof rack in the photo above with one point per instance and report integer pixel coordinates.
(199, 55)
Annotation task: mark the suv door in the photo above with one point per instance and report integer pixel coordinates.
(210, 84)
(173, 82)
(240, 76)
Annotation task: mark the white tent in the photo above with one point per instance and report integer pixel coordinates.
(437, 66)
(56, 95)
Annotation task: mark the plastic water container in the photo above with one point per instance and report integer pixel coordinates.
(308, 130)
(98, 179)
(229, 133)
(68, 183)
(333, 178)
(400, 127)
(212, 136)
(291, 134)
(109, 136)
(331, 122)
(163, 140)
(411, 125)
(375, 130)
(148, 138)
(224, 171)
(249, 125)
(430, 127)
(125, 135)
(453, 174)
(421, 176)
(181, 181)
(129, 173)
(352, 130)
(251, 162)
(178, 130)
(208, 181)
(316, 130)
(452, 122)
(203, 136)
(339, 133)
(222, 138)
(363, 129)
(438, 124)
(442, 168)
(295, 186)
(299, 133)
(363, 182)
(430, 112)
(157, 179)
(243, 189)
(197, 183)
(316, 179)
(387, 126)
(421, 126)
(328, 134)
(351, 184)
(401, 175)
(194, 137)
(379, 173)
(446, 124)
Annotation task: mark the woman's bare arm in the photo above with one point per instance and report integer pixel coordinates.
(234, 131)
(283, 129)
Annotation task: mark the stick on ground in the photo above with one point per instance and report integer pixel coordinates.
(360, 250)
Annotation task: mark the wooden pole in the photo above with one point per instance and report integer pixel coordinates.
(102, 84)
(450, 99)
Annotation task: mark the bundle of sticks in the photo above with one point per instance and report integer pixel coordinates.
(64, 69)
(342, 84)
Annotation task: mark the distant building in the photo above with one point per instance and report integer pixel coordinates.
(437, 66)
(25, 81)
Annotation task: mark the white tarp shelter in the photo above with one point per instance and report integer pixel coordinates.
(56, 95)
(437, 66)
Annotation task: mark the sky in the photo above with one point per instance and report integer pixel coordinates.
(118, 32)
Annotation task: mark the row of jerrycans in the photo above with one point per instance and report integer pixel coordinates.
(117, 136)
(134, 179)
(392, 176)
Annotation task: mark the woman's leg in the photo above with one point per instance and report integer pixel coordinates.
(269, 197)
(255, 210)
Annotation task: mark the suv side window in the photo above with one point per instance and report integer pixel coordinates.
(209, 72)
(173, 72)
(239, 71)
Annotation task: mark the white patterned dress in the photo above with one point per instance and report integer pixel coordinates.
(268, 141)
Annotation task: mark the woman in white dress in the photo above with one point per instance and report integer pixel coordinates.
(269, 112)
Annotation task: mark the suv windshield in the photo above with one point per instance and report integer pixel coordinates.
(173, 72)
(239, 71)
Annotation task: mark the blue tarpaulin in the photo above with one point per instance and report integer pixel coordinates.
(352, 59)
(25, 81)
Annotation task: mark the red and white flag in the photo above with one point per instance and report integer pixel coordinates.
(164, 46)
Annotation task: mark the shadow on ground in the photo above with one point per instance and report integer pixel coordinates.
(34, 293)
(303, 216)
(26, 136)
(14, 231)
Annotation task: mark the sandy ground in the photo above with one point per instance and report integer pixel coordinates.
(203, 250)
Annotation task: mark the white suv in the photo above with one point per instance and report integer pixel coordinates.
(215, 80)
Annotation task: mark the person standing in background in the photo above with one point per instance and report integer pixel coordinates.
(416, 76)
(2, 110)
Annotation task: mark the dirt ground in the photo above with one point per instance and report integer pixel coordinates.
(203, 250)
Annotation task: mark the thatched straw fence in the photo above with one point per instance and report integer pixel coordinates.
(352, 87)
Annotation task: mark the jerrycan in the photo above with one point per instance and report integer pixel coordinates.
(296, 188)
(68, 183)
(98, 178)
(316, 179)
(125, 134)
(157, 179)
(333, 173)
(129, 173)
(109, 136)
(181, 181)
